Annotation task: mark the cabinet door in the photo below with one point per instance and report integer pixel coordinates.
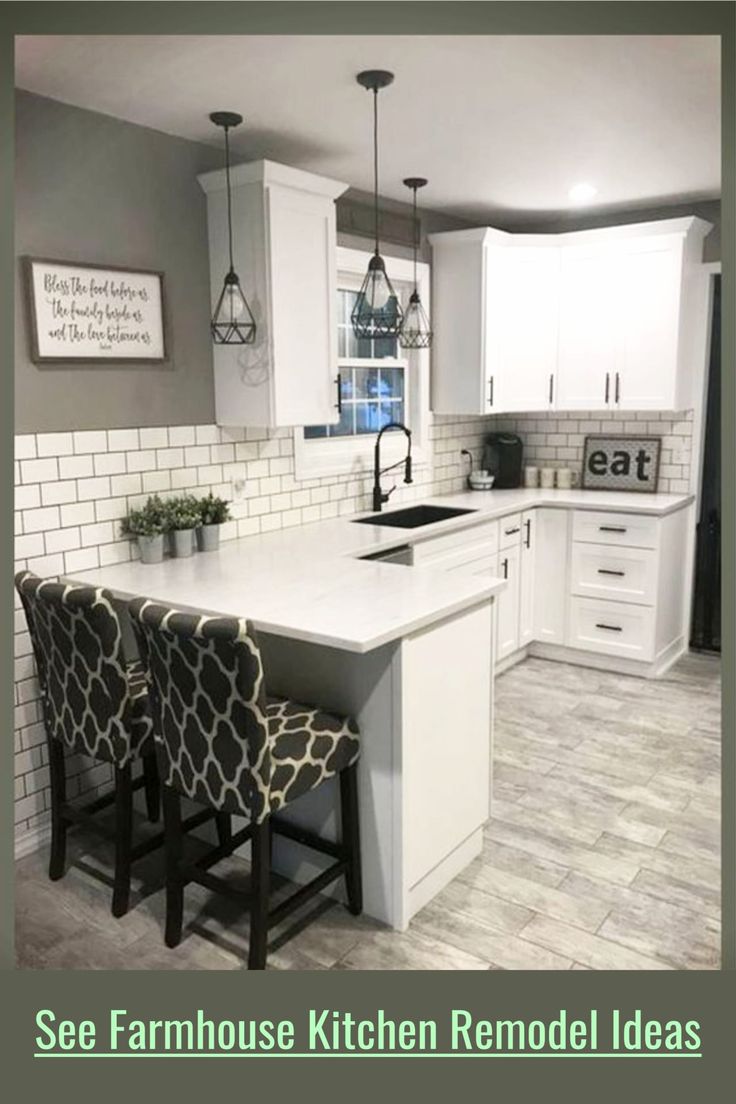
(521, 320)
(587, 352)
(303, 281)
(551, 528)
(649, 286)
(458, 349)
(507, 613)
(527, 576)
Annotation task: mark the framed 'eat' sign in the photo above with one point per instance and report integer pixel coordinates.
(621, 463)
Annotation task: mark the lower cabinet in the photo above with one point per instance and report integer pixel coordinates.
(596, 581)
(552, 541)
(527, 577)
(508, 606)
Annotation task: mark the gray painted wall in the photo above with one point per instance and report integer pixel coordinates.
(710, 210)
(92, 188)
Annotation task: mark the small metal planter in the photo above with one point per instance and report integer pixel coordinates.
(208, 537)
(151, 548)
(182, 541)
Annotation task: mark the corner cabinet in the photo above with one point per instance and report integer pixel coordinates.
(487, 358)
(589, 320)
(285, 250)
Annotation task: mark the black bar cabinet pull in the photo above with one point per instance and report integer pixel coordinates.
(608, 386)
(528, 540)
(505, 569)
(490, 391)
(338, 383)
(551, 388)
(618, 387)
(611, 628)
(606, 571)
(510, 532)
(612, 528)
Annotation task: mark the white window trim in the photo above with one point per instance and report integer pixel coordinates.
(321, 457)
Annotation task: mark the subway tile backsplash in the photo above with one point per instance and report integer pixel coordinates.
(556, 440)
(73, 489)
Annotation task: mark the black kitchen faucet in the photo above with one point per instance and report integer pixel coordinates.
(379, 496)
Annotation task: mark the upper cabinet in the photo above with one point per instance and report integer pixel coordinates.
(285, 250)
(487, 285)
(591, 320)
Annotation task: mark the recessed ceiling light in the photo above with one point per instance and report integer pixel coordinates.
(582, 193)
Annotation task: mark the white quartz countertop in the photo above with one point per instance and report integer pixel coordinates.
(309, 583)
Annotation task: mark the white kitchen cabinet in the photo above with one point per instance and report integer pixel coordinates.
(487, 358)
(285, 253)
(522, 283)
(587, 358)
(587, 320)
(552, 541)
(507, 612)
(528, 577)
(627, 595)
(649, 373)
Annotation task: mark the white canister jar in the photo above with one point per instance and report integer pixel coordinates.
(547, 478)
(564, 479)
(531, 477)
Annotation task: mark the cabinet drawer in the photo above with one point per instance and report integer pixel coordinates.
(484, 535)
(604, 527)
(612, 628)
(623, 574)
(509, 531)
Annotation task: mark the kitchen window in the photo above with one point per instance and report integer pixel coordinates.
(379, 382)
(372, 379)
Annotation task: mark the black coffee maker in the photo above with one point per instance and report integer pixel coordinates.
(502, 457)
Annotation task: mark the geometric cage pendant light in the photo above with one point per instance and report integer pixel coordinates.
(416, 332)
(377, 311)
(232, 322)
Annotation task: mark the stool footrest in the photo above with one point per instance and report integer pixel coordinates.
(306, 892)
(307, 838)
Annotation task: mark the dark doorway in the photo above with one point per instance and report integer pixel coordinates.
(706, 621)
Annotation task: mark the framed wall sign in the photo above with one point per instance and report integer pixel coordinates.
(621, 463)
(94, 313)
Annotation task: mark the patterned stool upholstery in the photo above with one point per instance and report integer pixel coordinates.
(95, 703)
(227, 744)
(224, 743)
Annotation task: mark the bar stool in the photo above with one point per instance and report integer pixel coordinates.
(94, 703)
(225, 745)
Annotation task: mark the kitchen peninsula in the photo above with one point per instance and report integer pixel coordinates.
(408, 647)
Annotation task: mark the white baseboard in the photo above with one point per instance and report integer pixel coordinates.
(511, 660)
(561, 654)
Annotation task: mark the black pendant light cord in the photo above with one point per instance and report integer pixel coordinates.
(229, 200)
(375, 164)
(415, 234)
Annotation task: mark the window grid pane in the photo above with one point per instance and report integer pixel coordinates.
(371, 396)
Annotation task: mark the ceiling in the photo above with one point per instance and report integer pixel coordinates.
(501, 125)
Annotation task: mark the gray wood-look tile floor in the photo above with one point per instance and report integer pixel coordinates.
(602, 853)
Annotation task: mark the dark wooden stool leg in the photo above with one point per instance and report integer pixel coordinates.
(57, 770)
(123, 839)
(259, 884)
(351, 837)
(152, 788)
(224, 827)
(174, 882)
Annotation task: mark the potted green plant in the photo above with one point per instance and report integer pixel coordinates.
(182, 518)
(213, 512)
(148, 525)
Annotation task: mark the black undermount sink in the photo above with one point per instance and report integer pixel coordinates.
(413, 516)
